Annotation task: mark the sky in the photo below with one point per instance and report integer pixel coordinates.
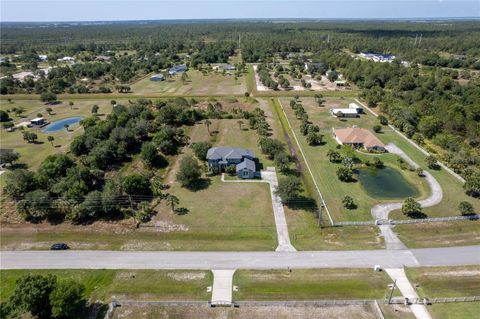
(115, 10)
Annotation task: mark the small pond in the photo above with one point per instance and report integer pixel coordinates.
(386, 183)
(60, 125)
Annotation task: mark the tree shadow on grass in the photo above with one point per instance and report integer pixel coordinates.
(302, 203)
(417, 215)
(200, 184)
(181, 211)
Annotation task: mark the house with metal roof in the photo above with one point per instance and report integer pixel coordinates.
(243, 159)
(157, 77)
(177, 69)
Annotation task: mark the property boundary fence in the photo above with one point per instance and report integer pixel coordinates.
(408, 221)
(292, 303)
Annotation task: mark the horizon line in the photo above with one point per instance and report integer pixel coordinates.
(251, 19)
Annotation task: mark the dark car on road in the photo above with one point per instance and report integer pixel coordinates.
(59, 246)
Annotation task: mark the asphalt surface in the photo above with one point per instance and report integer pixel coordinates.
(98, 259)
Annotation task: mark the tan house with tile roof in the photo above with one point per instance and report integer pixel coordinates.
(358, 138)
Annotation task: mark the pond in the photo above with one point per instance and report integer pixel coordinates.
(386, 183)
(60, 125)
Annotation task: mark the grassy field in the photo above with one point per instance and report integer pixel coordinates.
(250, 312)
(460, 233)
(196, 84)
(324, 172)
(310, 284)
(448, 282)
(125, 284)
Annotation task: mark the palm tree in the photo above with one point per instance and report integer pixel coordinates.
(173, 200)
(240, 123)
(49, 110)
(50, 139)
(71, 104)
(207, 123)
(66, 126)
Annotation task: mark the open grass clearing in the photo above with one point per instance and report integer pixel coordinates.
(438, 282)
(213, 83)
(444, 234)
(463, 310)
(448, 282)
(324, 172)
(310, 284)
(277, 312)
(125, 284)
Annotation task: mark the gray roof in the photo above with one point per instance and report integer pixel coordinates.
(248, 164)
(225, 153)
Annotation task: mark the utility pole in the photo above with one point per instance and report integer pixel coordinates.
(391, 292)
(416, 38)
(319, 213)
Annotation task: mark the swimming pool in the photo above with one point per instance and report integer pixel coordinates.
(60, 125)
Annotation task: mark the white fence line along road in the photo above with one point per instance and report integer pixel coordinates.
(270, 176)
(421, 149)
(98, 259)
(306, 163)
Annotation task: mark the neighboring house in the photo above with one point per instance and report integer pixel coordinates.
(66, 59)
(378, 57)
(355, 106)
(340, 82)
(102, 58)
(344, 112)
(157, 77)
(39, 121)
(43, 57)
(243, 159)
(223, 67)
(177, 69)
(358, 138)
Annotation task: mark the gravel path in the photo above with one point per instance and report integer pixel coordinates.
(381, 211)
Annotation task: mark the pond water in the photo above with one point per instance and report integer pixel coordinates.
(60, 125)
(385, 183)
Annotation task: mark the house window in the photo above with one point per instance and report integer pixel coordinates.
(245, 173)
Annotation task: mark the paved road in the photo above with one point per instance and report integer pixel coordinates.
(453, 256)
(381, 211)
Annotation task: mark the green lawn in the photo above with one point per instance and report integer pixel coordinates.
(125, 284)
(448, 282)
(324, 172)
(310, 284)
(456, 233)
(213, 83)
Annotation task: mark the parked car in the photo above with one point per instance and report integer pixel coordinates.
(59, 246)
